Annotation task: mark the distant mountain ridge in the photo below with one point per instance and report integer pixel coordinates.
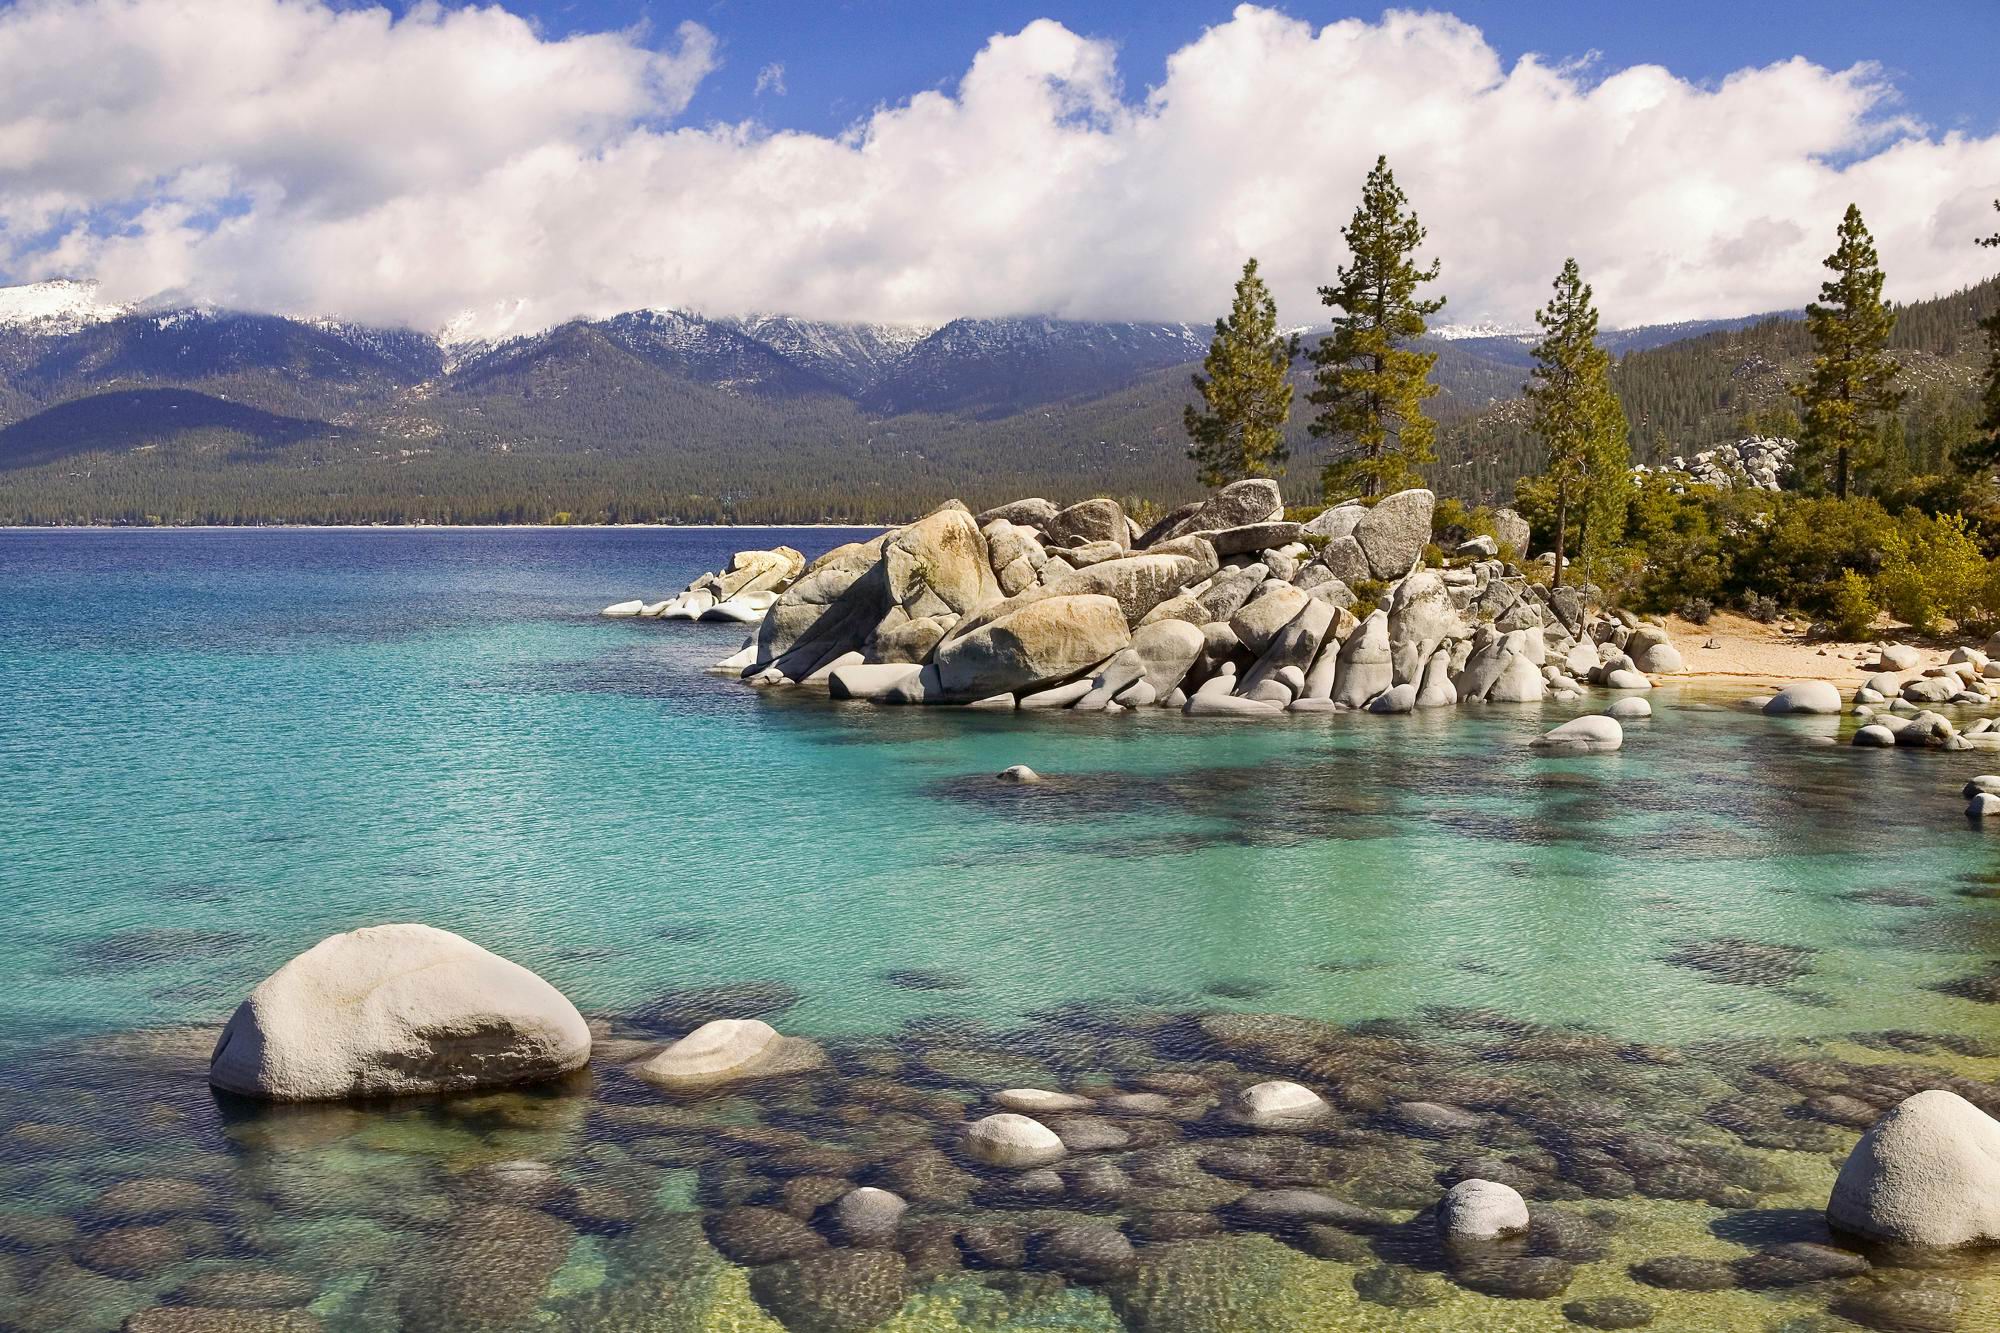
(651, 414)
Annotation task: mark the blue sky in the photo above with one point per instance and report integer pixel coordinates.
(496, 170)
(840, 59)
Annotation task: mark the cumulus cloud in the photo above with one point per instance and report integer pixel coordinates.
(285, 155)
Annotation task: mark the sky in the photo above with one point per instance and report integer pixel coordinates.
(496, 170)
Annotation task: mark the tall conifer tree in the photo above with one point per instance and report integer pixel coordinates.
(1245, 390)
(1370, 386)
(1852, 381)
(1985, 451)
(1576, 413)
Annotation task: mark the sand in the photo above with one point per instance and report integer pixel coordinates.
(1732, 649)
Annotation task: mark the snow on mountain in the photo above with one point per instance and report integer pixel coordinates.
(1481, 329)
(63, 305)
(852, 356)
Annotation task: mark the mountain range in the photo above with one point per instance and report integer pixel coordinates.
(189, 414)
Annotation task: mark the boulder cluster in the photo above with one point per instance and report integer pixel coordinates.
(1897, 706)
(1759, 462)
(1222, 608)
(742, 593)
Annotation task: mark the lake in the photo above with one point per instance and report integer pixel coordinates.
(1658, 990)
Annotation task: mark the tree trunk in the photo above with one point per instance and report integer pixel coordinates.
(1840, 474)
(1562, 521)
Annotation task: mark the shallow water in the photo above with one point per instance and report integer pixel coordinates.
(220, 746)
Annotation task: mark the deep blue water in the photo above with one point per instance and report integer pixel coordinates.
(219, 746)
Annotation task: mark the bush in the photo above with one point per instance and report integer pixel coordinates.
(1854, 607)
(1799, 554)
(1696, 610)
(1761, 608)
(1932, 570)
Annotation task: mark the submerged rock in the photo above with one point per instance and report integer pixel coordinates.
(726, 1050)
(1012, 1141)
(396, 1010)
(1597, 734)
(1481, 1210)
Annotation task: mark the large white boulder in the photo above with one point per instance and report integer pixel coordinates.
(396, 1010)
(1041, 643)
(1393, 534)
(1927, 1173)
(1806, 696)
(1592, 734)
(1481, 1210)
(1011, 1140)
(623, 610)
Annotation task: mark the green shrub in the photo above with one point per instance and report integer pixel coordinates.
(1932, 570)
(1854, 606)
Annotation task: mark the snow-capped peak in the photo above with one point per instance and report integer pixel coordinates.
(1481, 329)
(63, 305)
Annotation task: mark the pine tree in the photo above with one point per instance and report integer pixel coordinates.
(1576, 413)
(1852, 381)
(1245, 389)
(1370, 387)
(1984, 451)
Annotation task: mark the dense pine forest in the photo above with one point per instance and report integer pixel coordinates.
(1691, 394)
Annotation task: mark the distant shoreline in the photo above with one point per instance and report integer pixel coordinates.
(418, 527)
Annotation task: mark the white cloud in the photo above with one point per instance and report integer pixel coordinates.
(771, 79)
(279, 154)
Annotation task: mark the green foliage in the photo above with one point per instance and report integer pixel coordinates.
(1578, 418)
(1933, 570)
(1245, 390)
(1854, 606)
(1369, 385)
(1368, 595)
(1773, 419)
(1852, 381)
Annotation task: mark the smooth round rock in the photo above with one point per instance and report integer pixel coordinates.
(1279, 1102)
(1927, 1173)
(1481, 1210)
(868, 1216)
(1877, 735)
(1039, 1101)
(1598, 734)
(1019, 773)
(711, 1053)
(1982, 805)
(1630, 707)
(1805, 696)
(396, 1010)
(1013, 1142)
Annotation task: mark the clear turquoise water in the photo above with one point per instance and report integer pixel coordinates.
(220, 746)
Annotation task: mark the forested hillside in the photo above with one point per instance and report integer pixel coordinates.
(1689, 394)
(208, 417)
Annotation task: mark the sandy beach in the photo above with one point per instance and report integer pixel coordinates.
(1733, 649)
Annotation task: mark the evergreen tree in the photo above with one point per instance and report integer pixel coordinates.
(1576, 414)
(1370, 387)
(1852, 380)
(1984, 451)
(1245, 390)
